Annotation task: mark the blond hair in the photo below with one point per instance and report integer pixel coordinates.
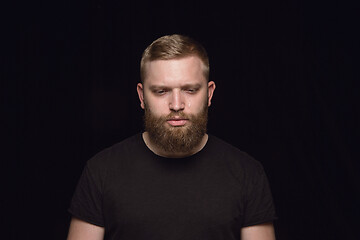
(173, 47)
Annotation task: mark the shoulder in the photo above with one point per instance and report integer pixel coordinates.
(238, 161)
(113, 154)
(229, 151)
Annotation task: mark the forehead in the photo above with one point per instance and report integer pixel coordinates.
(185, 70)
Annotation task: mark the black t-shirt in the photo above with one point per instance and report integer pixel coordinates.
(136, 194)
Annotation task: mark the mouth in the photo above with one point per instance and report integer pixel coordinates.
(177, 122)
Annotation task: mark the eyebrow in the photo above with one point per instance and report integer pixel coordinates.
(185, 86)
(196, 86)
(157, 87)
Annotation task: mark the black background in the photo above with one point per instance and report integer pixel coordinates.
(287, 83)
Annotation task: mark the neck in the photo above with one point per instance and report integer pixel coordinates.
(158, 151)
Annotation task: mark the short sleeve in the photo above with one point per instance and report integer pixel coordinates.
(259, 206)
(86, 203)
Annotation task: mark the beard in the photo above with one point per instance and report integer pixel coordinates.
(176, 139)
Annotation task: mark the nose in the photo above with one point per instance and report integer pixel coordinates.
(176, 102)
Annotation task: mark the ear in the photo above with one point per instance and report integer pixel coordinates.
(211, 89)
(140, 91)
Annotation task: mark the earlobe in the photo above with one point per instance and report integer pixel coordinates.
(211, 89)
(140, 91)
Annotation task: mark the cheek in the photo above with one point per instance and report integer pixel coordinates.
(158, 107)
(197, 104)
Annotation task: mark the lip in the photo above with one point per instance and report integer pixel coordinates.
(177, 122)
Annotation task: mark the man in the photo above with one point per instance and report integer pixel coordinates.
(173, 181)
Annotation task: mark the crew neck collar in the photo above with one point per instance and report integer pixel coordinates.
(203, 149)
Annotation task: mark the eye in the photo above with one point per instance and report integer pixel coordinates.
(191, 90)
(160, 91)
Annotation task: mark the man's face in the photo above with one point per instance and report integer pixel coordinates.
(175, 96)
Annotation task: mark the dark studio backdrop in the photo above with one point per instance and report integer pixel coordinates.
(287, 83)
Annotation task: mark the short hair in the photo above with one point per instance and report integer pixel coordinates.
(174, 47)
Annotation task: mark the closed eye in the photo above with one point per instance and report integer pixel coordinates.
(160, 91)
(191, 90)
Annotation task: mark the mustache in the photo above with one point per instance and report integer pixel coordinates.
(178, 115)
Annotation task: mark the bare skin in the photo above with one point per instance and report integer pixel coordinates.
(81, 230)
(258, 232)
(172, 85)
